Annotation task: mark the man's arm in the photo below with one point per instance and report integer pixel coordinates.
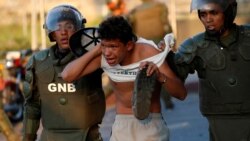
(32, 105)
(172, 83)
(168, 79)
(83, 65)
(180, 70)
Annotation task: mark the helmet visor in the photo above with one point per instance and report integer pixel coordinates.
(63, 13)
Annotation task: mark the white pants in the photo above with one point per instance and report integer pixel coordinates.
(129, 128)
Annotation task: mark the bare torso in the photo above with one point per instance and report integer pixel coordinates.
(123, 92)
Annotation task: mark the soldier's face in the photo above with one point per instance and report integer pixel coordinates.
(212, 17)
(64, 32)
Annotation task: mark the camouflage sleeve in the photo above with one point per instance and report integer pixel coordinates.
(32, 111)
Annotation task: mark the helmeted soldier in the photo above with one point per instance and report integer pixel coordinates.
(68, 111)
(221, 57)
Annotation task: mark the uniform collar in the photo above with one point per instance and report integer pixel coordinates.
(67, 57)
(228, 40)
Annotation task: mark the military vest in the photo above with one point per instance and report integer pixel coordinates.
(68, 110)
(224, 75)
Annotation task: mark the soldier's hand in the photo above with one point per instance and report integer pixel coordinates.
(167, 43)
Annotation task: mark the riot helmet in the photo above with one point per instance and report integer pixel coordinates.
(62, 13)
(201, 4)
(229, 8)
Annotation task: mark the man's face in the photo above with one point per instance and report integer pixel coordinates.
(212, 17)
(114, 51)
(62, 35)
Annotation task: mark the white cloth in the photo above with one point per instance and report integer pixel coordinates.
(169, 41)
(128, 128)
(128, 73)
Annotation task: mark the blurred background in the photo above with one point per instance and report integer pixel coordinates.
(22, 20)
(21, 33)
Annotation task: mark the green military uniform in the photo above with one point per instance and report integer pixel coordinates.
(68, 111)
(223, 69)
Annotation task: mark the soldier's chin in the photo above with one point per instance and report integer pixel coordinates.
(212, 32)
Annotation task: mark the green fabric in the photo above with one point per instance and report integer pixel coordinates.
(223, 68)
(66, 110)
(229, 128)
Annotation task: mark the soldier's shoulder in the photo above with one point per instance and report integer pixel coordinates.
(41, 55)
(37, 56)
(190, 44)
(199, 36)
(187, 50)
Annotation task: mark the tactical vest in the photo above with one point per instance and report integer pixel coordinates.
(68, 110)
(224, 75)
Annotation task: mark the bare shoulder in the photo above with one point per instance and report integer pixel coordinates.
(146, 50)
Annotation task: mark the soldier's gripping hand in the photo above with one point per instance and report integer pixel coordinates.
(167, 43)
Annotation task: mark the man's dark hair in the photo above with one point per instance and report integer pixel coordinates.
(116, 27)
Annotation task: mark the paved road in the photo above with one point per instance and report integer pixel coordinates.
(186, 122)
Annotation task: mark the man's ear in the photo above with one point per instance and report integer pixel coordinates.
(130, 45)
(52, 36)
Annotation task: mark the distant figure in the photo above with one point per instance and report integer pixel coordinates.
(12, 93)
(116, 7)
(150, 20)
(2, 82)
